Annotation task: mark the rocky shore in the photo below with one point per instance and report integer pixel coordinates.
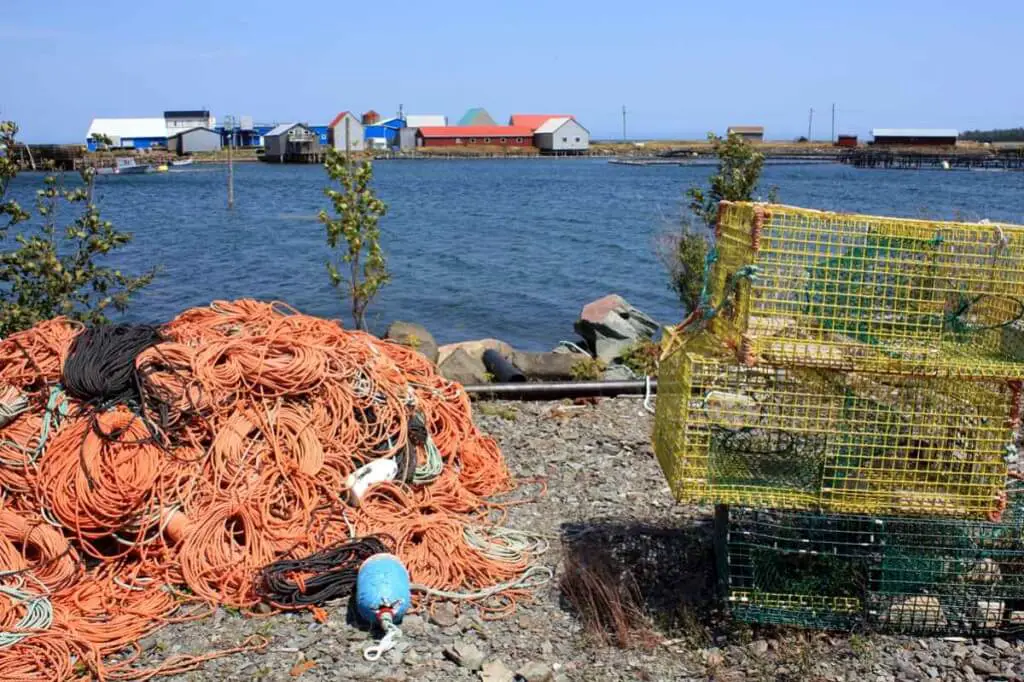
(606, 504)
(615, 342)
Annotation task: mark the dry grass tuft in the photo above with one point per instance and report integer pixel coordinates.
(608, 602)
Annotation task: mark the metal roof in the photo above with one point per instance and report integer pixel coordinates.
(477, 131)
(425, 120)
(748, 130)
(476, 116)
(914, 132)
(128, 127)
(189, 130)
(552, 124)
(187, 113)
(281, 129)
(534, 121)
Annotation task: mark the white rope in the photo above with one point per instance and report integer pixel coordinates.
(648, 394)
(38, 616)
(533, 577)
(392, 633)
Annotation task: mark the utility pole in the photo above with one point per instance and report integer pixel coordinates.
(833, 121)
(348, 143)
(810, 124)
(623, 122)
(230, 125)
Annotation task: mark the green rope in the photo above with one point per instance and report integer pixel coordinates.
(433, 466)
(56, 411)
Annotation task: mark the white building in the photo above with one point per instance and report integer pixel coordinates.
(561, 135)
(426, 121)
(336, 132)
(133, 133)
(178, 121)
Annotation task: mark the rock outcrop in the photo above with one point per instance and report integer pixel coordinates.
(610, 325)
(414, 336)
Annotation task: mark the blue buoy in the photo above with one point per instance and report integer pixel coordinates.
(382, 586)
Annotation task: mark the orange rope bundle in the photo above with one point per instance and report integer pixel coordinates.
(250, 419)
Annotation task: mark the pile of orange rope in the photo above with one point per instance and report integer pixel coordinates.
(119, 519)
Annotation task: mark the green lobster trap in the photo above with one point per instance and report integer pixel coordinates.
(793, 286)
(894, 574)
(797, 438)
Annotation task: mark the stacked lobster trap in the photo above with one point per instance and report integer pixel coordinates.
(849, 394)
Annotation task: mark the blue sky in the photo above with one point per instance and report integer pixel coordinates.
(681, 68)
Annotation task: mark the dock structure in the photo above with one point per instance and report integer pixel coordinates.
(293, 143)
(919, 159)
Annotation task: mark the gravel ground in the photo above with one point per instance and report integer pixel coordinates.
(606, 503)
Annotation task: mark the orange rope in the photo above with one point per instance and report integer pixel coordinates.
(263, 414)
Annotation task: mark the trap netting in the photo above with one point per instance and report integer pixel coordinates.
(878, 573)
(796, 438)
(796, 286)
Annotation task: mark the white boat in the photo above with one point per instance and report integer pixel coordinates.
(126, 165)
(181, 162)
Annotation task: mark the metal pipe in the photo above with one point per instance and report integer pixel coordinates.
(503, 370)
(561, 389)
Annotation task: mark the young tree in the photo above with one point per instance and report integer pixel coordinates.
(57, 272)
(736, 179)
(359, 268)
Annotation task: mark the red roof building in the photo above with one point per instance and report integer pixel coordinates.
(534, 121)
(448, 136)
(370, 117)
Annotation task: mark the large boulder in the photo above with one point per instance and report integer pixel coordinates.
(474, 348)
(462, 367)
(610, 325)
(545, 366)
(414, 336)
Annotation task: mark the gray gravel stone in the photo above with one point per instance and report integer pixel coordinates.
(980, 665)
(466, 655)
(534, 672)
(444, 615)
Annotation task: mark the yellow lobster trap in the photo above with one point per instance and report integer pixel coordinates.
(801, 287)
(800, 438)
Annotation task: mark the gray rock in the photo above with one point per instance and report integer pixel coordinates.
(465, 655)
(933, 672)
(980, 665)
(617, 373)
(610, 325)
(462, 367)
(908, 671)
(444, 615)
(545, 366)
(474, 348)
(414, 336)
(1001, 644)
(496, 671)
(534, 672)
(759, 647)
(413, 625)
(546, 648)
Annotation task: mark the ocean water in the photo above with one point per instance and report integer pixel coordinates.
(478, 248)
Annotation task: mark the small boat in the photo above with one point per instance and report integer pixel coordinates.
(162, 168)
(126, 166)
(181, 162)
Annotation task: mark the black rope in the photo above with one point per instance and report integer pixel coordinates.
(333, 570)
(100, 368)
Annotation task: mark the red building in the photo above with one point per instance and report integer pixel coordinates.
(846, 141)
(450, 136)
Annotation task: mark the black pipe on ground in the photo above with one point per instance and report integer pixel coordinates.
(503, 370)
(558, 390)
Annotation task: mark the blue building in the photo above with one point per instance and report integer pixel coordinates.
(383, 134)
(321, 132)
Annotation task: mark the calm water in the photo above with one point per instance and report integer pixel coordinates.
(510, 249)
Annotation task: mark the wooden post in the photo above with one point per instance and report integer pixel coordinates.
(231, 164)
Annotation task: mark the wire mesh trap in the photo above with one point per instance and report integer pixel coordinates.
(796, 286)
(797, 438)
(893, 574)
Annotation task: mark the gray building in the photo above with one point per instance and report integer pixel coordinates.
(562, 135)
(336, 132)
(748, 133)
(182, 120)
(407, 139)
(292, 142)
(194, 140)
